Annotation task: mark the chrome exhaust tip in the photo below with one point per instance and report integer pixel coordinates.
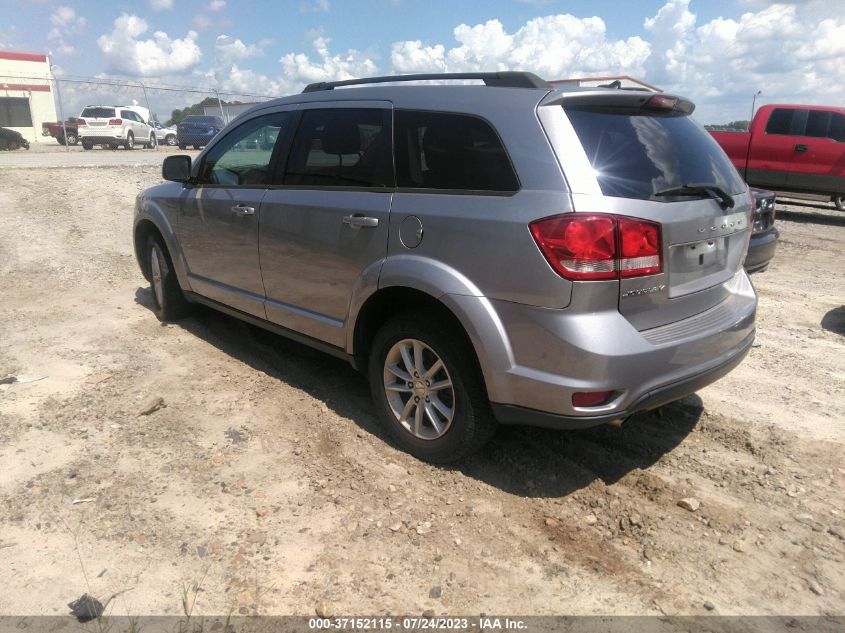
(618, 422)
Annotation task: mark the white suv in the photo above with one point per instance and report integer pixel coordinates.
(114, 126)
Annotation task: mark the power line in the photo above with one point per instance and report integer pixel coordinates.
(139, 84)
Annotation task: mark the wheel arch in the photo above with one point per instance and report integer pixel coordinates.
(450, 299)
(153, 222)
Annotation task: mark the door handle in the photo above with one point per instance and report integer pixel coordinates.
(800, 147)
(360, 221)
(242, 209)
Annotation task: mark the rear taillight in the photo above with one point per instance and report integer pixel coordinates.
(597, 246)
(115, 121)
(640, 247)
(80, 122)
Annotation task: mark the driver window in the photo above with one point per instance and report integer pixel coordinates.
(243, 156)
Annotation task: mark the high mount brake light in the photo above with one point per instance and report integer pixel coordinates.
(661, 102)
(585, 247)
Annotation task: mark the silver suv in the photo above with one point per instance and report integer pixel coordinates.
(510, 252)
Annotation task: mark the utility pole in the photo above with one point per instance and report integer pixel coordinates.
(147, 100)
(59, 95)
(753, 103)
(220, 103)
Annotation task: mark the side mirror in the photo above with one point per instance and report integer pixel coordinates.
(176, 168)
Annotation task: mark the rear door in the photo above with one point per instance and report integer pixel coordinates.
(97, 118)
(325, 222)
(818, 158)
(219, 220)
(637, 155)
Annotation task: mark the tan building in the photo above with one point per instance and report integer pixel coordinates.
(26, 94)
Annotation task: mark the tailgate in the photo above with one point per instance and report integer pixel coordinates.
(646, 161)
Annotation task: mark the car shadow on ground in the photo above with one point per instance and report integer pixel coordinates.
(834, 321)
(529, 462)
(809, 217)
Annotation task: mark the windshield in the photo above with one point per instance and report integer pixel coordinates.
(97, 113)
(637, 154)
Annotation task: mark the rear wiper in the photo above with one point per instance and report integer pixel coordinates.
(702, 190)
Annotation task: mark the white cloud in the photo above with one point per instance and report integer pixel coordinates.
(315, 6)
(160, 5)
(791, 54)
(300, 68)
(553, 46)
(157, 56)
(65, 24)
(216, 5)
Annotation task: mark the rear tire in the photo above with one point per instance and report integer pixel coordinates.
(72, 139)
(130, 141)
(87, 145)
(169, 303)
(839, 201)
(429, 391)
(183, 146)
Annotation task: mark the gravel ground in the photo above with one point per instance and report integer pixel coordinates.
(263, 484)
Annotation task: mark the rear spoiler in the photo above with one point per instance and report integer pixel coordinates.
(623, 99)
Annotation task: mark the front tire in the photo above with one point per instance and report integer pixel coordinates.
(170, 139)
(87, 146)
(429, 391)
(169, 303)
(839, 201)
(72, 139)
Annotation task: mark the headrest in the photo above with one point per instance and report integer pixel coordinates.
(341, 136)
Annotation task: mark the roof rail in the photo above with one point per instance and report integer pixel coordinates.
(509, 79)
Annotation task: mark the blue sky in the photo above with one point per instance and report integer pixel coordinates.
(718, 52)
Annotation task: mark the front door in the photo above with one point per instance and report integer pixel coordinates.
(220, 215)
(324, 225)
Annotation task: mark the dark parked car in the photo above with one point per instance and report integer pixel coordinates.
(764, 235)
(9, 139)
(197, 130)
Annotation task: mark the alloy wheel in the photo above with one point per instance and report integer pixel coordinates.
(419, 389)
(155, 273)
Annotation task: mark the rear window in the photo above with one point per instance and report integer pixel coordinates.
(97, 113)
(206, 120)
(637, 154)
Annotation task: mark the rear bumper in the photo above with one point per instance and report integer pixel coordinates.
(534, 359)
(510, 414)
(194, 139)
(761, 249)
(100, 139)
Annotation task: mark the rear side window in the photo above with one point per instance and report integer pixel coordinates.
(637, 154)
(437, 150)
(823, 124)
(780, 121)
(342, 147)
(98, 113)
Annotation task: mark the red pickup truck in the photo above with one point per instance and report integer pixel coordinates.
(792, 148)
(58, 132)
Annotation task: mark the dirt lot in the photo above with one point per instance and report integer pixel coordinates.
(264, 485)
